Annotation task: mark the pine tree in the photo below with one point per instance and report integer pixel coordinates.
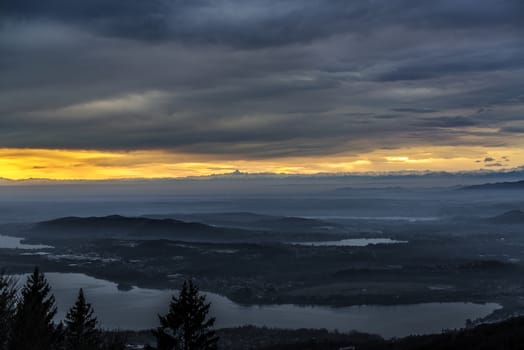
(81, 331)
(7, 308)
(186, 326)
(113, 341)
(33, 325)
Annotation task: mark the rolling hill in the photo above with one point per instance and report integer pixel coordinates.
(116, 226)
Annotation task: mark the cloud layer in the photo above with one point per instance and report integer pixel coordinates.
(255, 80)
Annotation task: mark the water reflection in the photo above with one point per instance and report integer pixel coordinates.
(8, 242)
(138, 309)
(351, 242)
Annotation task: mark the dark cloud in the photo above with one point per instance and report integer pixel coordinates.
(513, 129)
(414, 110)
(437, 67)
(257, 79)
(489, 159)
(251, 23)
(448, 122)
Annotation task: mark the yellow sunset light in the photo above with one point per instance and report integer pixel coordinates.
(96, 164)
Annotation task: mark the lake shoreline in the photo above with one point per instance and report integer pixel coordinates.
(116, 307)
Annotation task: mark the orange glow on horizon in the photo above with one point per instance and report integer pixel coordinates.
(18, 164)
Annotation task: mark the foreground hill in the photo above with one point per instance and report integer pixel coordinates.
(505, 335)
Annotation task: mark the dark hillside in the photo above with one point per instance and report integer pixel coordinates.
(516, 185)
(510, 217)
(120, 226)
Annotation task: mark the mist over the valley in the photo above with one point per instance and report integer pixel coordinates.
(451, 251)
(428, 195)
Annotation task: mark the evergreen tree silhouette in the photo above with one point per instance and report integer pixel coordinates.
(7, 308)
(81, 331)
(113, 341)
(186, 325)
(33, 324)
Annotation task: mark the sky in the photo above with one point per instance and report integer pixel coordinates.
(106, 89)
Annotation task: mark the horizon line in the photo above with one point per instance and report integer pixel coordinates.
(237, 174)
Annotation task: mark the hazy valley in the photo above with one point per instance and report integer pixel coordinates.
(452, 253)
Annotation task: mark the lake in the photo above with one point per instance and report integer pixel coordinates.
(9, 242)
(351, 242)
(138, 308)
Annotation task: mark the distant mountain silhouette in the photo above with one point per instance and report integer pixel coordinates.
(516, 185)
(510, 217)
(253, 221)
